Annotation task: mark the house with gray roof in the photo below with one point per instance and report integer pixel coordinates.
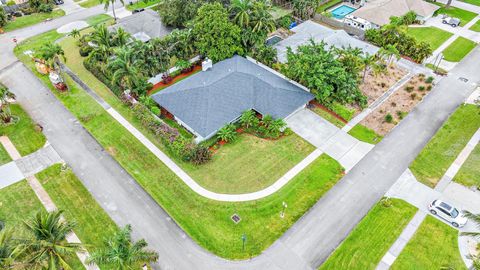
(206, 101)
(143, 25)
(309, 30)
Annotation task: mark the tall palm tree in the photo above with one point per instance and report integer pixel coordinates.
(241, 10)
(122, 253)
(48, 248)
(5, 96)
(125, 69)
(262, 20)
(107, 3)
(476, 219)
(121, 37)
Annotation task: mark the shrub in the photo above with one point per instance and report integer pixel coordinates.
(155, 110)
(429, 79)
(285, 21)
(421, 88)
(85, 50)
(401, 114)
(409, 89)
(388, 118)
(265, 54)
(429, 87)
(386, 202)
(184, 66)
(200, 154)
(45, 8)
(413, 96)
(227, 133)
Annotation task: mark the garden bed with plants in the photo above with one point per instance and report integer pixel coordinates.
(375, 85)
(175, 77)
(398, 105)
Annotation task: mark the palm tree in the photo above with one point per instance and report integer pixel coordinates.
(367, 62)
(48, 248)
(227, 133)
(262, 20)
(390, 51)
(476, 219)
(9, 250)
(125, 69)
(248, 119)
(5, 96)
(121, 37)
(75, 33)
(241, 10)
(51, 53)
(101, 36)
(107, 3)
(276, 126)
(121, 253)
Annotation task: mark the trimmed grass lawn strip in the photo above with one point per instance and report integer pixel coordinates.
(440, 152)
(469, 174)
(28, 20)
(343, 111)
(4, 156)
(464, 15)
(434, 246)
(476, 26)
(329, 117)
(458, 49)
(97, 19)
(473, 2)
(69, 194)
(89, 3)
(372, 237)
(431, 35)
(142, 4)
(206, 221)
(23, 134)
(365, 134)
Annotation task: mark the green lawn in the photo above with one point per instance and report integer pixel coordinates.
(24, 134)
(329, 117)
(440, 152)
(476, 26)
(372, 237)
(458, 49)
(97, 19)
(89, 3)
(434, 246)
(365, 134)
(473, 2)
(469, 174)
(142, 4)
(32, 19)
(69, 194)
(464, 15)
(431, 35)
(206, 221)
(4, 157)
(328, 4)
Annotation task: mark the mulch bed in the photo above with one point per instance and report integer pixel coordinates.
(159, 86)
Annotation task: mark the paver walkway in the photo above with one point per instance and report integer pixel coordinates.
(419, 195)
(46, 201)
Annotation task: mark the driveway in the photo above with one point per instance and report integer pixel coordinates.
(338, 144)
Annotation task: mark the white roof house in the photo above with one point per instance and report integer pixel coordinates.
(312, 30)
(379, 11)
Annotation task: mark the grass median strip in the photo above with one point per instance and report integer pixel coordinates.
(4, 156)
(25, 134)
(28, 20)
(434, 246)
(372, 237)
(440, 152)
(208, 222)
(456, 51)
(469, 174)
(365, 134)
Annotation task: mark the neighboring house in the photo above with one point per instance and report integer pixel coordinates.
(378, 12)
(143, 25)
(312, 30)
(206, 101)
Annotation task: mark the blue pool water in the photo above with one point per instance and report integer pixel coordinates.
(342, 11)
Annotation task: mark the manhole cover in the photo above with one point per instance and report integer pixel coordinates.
(236, 218)
(463, 79)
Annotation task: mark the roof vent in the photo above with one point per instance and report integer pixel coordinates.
(207, 64)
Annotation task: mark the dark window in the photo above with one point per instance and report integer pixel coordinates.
(445, 212)
(445, 206)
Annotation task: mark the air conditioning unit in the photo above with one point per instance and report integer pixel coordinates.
(207, 64)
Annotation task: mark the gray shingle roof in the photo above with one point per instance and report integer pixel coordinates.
(142, 25)
(208, 100)
(312, 30)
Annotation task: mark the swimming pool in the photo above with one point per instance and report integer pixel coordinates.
(273, 40)
(342, 11)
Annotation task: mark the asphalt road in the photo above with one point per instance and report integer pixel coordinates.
(306, 244)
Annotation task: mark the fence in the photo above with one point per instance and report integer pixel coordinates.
(340, 25)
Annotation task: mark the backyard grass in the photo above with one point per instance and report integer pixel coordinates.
(250, 163)
(476, 26)
(440, 152)
(142, 4)
(458, 49)
(4, 157)
(464, 15)
(328, 4)
(23, 134)
(97, 19)
(372, 237)
(434, 246)
(207, 221)
(469, 174)
(28, 20)
(432, 35)
(69, 194)
(365, 134)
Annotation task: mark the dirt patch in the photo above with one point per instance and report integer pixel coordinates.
(398, 105)
(375, 86)
(112, 151)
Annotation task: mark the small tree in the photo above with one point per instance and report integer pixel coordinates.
(3, 17)
(75, 33)
(51, 53)
(5, 96)
(227, 133)
(249, 119)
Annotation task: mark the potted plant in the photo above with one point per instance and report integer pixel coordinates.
(184, 66)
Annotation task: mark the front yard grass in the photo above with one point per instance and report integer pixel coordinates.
(434, 246)
(372, 237)
(456, 51)
(98, 19)
(69, 194)
(473, 2)
(365, 134)
(142, 4)
(476, 26)
(431, 35)
(89, 3)
(250, 163)
(464, 15)
(440, 152)
(207, 221)
(28, 20)
(469, 174)
(4, 156)
(329, 117)
(24, 134)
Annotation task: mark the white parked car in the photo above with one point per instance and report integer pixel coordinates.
(448, 212)
(453, 22)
